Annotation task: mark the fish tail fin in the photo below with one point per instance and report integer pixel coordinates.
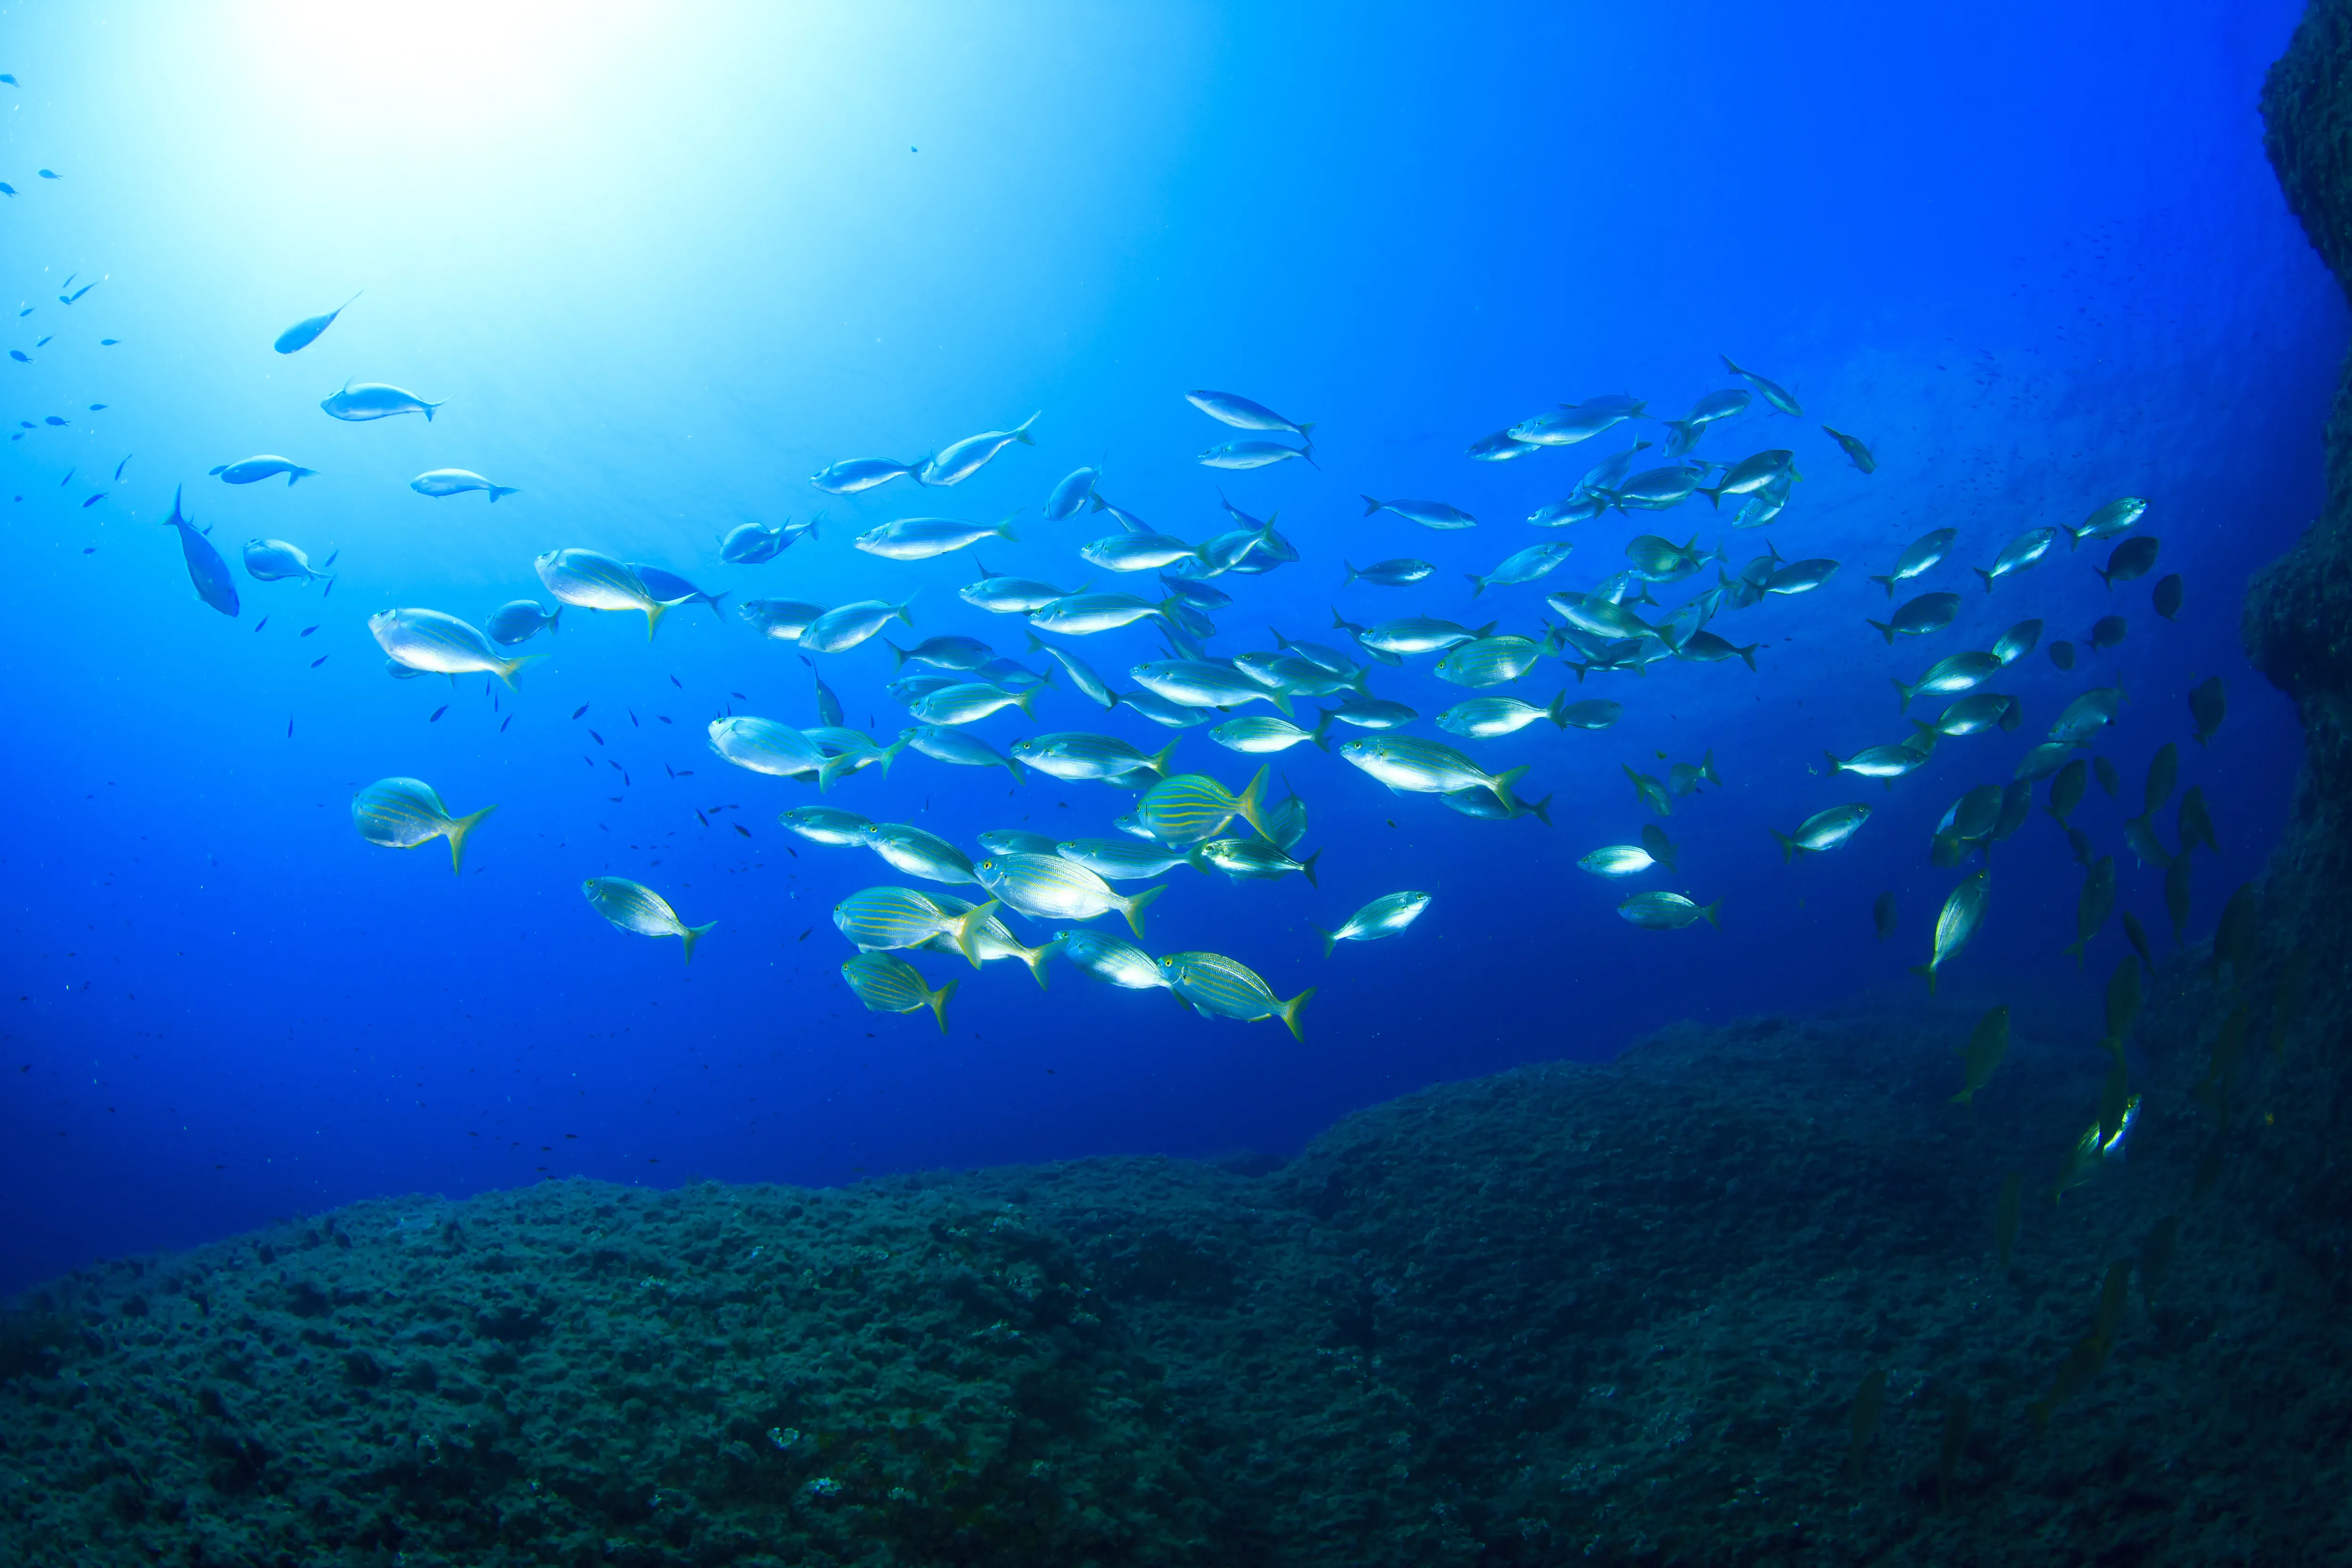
(906, 612)
(1789, 850)
(1021, 431)
(1928, 971)
(1330, 942)
(1370, 506)
(1707, 769)
(1307, 869)
(1013, 766)
(1477, 584)
(1502, 784)
(1036, 643)
(688, 935)
(428, 414)
(1539, 809)
(1836, 767)
(1338, 620)
(1985, 574)
(938, 1000)
(1903, 692)
(1884, 628)
(1579, 669)
(2077, 949)
(511, 667)
(655, 611)
(1288, 1013)
(498, 490)
(215, 470)
(1887, 584)
(1557, 708)
(965, 929)
(1159, 757)
(890, 754)
(1352, 573)
(1281, 700)
(1321, 733)
(2074, 536)
(1747, 655)
(1250, 805)
(1035, 957)
(833, 768)
(713, 600)
(296, 476)
(1714, 496)
(457, 830)
(1027, 701)
(1133, 908)
(1708, 910)
(2104, 576)
(1488, 630)
(553, 619)
(1004, 530)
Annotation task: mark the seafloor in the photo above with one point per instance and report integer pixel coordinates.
(1736, 1298)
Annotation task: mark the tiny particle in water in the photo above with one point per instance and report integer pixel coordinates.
(436, 714)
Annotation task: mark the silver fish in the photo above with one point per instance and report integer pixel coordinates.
(401, 813)
(438, 482)
(375, 400)
(922, 538)
(633, 907)
(248, 470)
(440, 645)
(275, 561)
(1435, 514)
(964, 459)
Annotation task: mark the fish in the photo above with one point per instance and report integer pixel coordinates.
(1657, 490)
(922, 538)
(1242, 414)
(1572, 422)
(1119, 859)
(960, 460)
(1882, 914)
(2017, 642)
(520, 620)
(1047, 887)
(1881, 763)
(1014, 841)
(2080, 720)
(844, 627)
(1137, 552)
(1488, 662)
(1082, 615)
(2067, 788)
(1160, 710)
(2163, 772)
(1660, 560)
(888, 983)
(1978, 711)
(2026, 550)
(1988, 1043)
(751, 544)
(1773, 392)
(1405, 763)
(1385, 916)
(305, 332)
(1213, 983)
(783, 619)
(439, 482)
(1758, 472)
(250, 471)
(1189, 808)
(2140, 834)
(1962, 912)
(2168, 596)
(275, 561)
(825, 824)
(2109, 520)
(1255, 859)
(207, 571)
(1371, 713)
(2107, 631)
(595, 581)
(2128, 560)
(2209, 704)
(1619, 860)
(853, 475)
(673, 590)
(1961, 672)
(2136, 934)
(1247, 455)
(1684, 778)
(951, 653)
(374, 400)
(1596, 714)
(1582, 507)
(1521, 567)
(765, 746)
(1109, 959)
(633, 907)
(918, 853)
(402, 813)
(1434, 514)
(438, 644)
(887, 919)
(1501, 447)
(1823, 831)
(1854, 450)
(1191, 683)
(2062, 654)
(1666, 912)
(1482, 718)
(1075, 756)
(1974, 814)
(2196, 821)
(2104, 770)
(1260, 736)
(945, 743)
(2093, 908)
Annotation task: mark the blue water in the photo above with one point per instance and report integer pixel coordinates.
(663, 267)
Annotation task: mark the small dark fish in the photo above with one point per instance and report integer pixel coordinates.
(119, 466)
(307, 631)
(674, 680)
(595, 737)
(2129, 560)
(2109, 779)
(436, 714)
(702, 819)
(633, 718)
(321, 659)
(69, 299)
(1882, 914)
(2209, 704)
(51, 419)
(305, 332)
(579, 710)
(2109, 631)
(741, 829)
(2168, 591)
(44, 341)
(97, 408)
(262, 622)
(2136, 934)
(20, 356)
(206, 570)
(290, 729)
(502, 729)
(94, 500)
(47, 173)
(108, 342)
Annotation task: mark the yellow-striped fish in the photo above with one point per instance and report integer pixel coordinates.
(633, 907)
(1190, 807)
(1212, 983)
(401, 813)
(991, 939)
(596, 582)
(888, 983)
(1958, 922)
(440, 645)
(877, 919)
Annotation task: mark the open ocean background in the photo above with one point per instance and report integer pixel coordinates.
(665, 264)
